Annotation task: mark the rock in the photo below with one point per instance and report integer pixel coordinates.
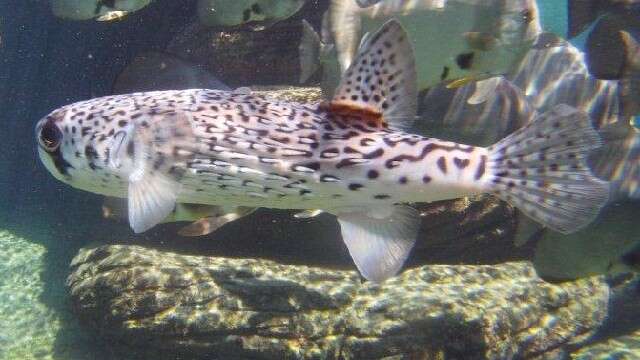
(476, 230)
(178, 306)
(623, 347)
(241, 57)
(290, 93)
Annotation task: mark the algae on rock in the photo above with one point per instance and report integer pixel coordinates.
(166, 304)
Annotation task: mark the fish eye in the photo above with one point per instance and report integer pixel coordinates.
(50, 136)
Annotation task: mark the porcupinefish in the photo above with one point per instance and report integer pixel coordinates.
(462, 39)
(349, 156)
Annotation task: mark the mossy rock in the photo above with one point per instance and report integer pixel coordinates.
(164, 305)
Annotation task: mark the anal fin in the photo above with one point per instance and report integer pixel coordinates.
(380, 245)
(209, 224)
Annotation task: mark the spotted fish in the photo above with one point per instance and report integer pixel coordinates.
(350, 156)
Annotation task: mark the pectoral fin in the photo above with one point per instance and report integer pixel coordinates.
(160, 150)
(151, 198)
(380, 245)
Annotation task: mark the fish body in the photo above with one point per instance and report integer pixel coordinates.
(581, 13)
(261, 152)
(350, 156)
(453, 39)
(605, 47)
(240, 12)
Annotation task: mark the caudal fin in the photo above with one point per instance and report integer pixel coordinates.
(541, 169)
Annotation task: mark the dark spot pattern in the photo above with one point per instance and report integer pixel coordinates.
(445, 73)
(442, 164)
(461, 163)
(481, 167)
(465, 60)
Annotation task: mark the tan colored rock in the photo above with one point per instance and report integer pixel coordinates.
(193, 307)
(290, 93)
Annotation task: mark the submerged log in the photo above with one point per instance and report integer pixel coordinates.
(166, 305)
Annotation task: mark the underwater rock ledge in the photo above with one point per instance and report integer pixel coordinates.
(161, 304)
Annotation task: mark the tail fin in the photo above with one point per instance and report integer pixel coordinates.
(541, 169)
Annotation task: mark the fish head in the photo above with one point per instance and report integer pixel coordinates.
(51, 144)
(80, 151)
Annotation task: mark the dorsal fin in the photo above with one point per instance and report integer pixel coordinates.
(380, 84)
